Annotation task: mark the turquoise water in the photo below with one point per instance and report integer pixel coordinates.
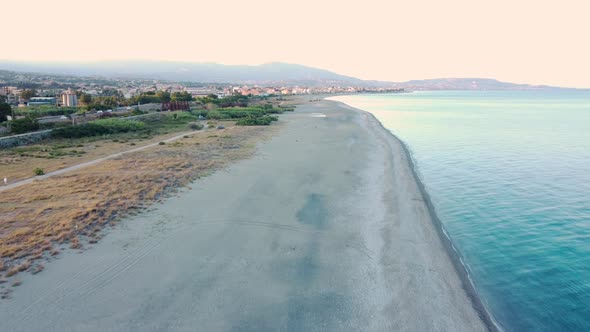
(509, 175)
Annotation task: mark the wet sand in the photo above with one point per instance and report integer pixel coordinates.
(324, 229)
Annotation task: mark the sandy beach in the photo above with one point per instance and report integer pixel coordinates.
(325, 228)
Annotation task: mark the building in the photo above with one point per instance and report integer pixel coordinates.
(42, 101)
(69, 98)
(200, 91)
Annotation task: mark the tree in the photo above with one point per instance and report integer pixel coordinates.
(5, 111)
(182, 96)
(164, 96)
(110, 101)
(28, 94)
(111, 93)
(86, 99)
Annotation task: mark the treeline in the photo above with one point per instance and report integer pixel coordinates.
(229, 101)
(160, 97)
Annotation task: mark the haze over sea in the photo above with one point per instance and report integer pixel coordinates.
(509, 175)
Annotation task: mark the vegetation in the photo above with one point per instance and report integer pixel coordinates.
(5, 111)
(99, 127)
(245, 116)
(86, 99)
(230, 101)
(151, 97)
(28, 94)
(47, 151)
(195, 126)
(44, 110)
(256, 121)
(38, 171)
(146, 127)
(24, 125)
(182, 96)
(71, 210)
(211, 107)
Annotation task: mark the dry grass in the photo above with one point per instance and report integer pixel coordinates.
(37, 218)
(19, 166)
(38, 268)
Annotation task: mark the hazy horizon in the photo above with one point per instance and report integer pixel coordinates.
(524, 42)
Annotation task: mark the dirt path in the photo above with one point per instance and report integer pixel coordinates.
(89, 163)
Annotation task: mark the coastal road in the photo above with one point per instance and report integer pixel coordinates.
(324, 229)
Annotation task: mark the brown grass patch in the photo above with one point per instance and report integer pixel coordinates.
(72, 208)
(12, 272)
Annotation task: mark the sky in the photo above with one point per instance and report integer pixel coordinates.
(522, 41)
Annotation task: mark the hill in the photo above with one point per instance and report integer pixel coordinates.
(467, 84)
(271, 73)
(276, 73)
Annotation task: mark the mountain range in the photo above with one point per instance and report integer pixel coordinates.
(275, 73)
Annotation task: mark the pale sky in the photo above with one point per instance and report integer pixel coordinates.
(523, 41)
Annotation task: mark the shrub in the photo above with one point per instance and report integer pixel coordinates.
(162, 143)
(99, 127)
(257, 121)
(24, 125)
(202, 113)
(195, 126)
(183, 116)
(38, 171)
(137, 111)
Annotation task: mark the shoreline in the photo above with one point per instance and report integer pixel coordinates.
(455, 256)
(324, 225)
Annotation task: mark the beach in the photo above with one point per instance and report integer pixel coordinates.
(324, 228)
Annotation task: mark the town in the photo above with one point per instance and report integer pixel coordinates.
(41, 101)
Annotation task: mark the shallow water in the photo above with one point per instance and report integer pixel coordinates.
(509, 175)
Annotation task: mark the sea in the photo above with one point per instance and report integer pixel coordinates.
(508, 173)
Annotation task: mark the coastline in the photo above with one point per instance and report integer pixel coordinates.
(324, 226)
(456, 258)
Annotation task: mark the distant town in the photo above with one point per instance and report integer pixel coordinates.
(31, 102)
(26, 89)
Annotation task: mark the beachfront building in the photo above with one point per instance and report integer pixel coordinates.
(69, 98)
